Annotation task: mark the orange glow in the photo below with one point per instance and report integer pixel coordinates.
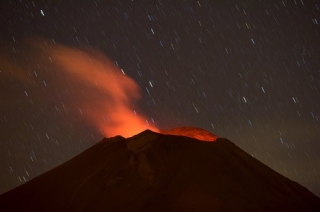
(111, 113)
(193, 132)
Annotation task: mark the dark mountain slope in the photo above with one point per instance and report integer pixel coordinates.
(157, 172)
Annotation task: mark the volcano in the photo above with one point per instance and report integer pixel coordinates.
(185, 169)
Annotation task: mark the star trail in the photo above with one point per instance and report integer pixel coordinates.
(248, 71)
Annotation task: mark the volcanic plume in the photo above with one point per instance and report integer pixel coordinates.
(88, 85)
(113, 115)
(161, 172)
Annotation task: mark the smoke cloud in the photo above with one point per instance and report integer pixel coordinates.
(99, 91)
(113, 114)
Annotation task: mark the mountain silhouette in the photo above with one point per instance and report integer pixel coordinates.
(177, 170)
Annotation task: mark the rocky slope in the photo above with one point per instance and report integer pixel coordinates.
(161, 172)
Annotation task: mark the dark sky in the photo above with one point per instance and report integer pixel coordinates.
(249, 72)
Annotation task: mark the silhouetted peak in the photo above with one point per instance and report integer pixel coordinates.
(192, 132)
(141, 141)
(160, 172)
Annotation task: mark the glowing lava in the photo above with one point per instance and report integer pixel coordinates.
(192, 132)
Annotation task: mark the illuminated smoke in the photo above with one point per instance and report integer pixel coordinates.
(86, 83)
(112, 112)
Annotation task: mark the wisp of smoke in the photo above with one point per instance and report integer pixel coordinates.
(111, 111)
(88, 85)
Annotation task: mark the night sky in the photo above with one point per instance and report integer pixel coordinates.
(249, 72)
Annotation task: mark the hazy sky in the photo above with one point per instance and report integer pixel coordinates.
(72, 72)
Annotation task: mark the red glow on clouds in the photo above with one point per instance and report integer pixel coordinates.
(112, 113)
